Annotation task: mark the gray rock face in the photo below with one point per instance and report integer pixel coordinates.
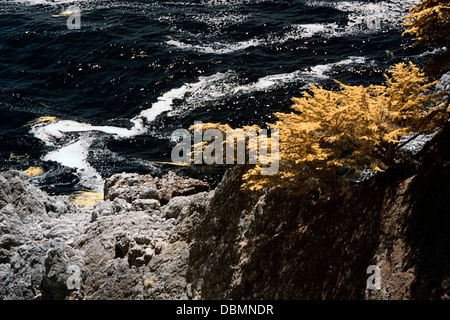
(34, 229)
(126, 247)
(131, 187)
(139, 237)
(172, 238)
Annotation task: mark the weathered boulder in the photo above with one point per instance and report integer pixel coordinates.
(132, 186)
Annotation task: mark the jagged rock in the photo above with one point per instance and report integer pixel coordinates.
(120, 205)
(142, 240)
(148, 187)
(122, 246)
(148, 254)
(102, 208)
(32, 224)
(145, 205)
(175, 206)
(59, 269)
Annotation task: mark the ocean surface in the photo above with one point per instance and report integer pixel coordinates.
(86, 103)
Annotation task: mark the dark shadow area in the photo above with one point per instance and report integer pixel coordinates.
(428, 227)
(311, 245)
(428, 232)
(286, 245)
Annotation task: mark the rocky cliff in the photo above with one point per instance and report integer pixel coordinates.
(174, 238)
(133, 245)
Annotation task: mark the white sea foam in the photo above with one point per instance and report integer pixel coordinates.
(301, 31)
(164, 103)
(225, 84)
(207, 88)
(49, 133)
(220, 19)
(216, 47)
(74, 155)
(295, 32)
(360, 14)
(72, 151)
(389, 12)
(312, 75)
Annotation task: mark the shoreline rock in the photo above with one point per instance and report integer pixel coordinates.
(174, 238)
(128, 246)
(228, 243)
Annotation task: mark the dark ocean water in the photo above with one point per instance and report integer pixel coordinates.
(137, 70)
